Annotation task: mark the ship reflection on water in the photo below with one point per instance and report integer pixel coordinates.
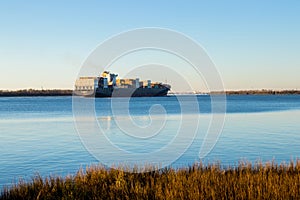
(106, 123)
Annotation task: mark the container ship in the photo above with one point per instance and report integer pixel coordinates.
(109, 85)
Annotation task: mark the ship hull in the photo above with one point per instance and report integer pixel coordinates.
(131, 92)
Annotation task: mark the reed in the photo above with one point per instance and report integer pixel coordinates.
(210, 181)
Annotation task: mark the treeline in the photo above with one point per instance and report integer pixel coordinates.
(246, 181)
(34, 92)
(258, 92)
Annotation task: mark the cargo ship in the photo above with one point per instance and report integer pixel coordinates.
(109, 85)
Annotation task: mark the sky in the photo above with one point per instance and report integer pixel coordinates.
(254, 44)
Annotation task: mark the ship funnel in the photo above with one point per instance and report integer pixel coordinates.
(137, 83)
(105, 83)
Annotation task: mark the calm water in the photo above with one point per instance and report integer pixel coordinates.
(38, 134)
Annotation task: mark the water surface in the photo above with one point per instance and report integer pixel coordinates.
(38, 134)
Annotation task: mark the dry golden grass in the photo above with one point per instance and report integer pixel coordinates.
(268, 181)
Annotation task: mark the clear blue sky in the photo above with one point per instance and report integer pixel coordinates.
(254, 44)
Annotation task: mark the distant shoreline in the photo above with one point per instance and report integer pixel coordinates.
(34, 92)
(64, 92)
(259, 92)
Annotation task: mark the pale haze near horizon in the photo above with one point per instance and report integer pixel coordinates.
(254, 44)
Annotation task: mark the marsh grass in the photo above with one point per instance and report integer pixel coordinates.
(211, 181)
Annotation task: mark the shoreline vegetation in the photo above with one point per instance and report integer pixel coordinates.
(210, 181)
(35, 92)
(69, 92)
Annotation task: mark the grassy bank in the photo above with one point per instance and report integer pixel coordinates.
(268, 181)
